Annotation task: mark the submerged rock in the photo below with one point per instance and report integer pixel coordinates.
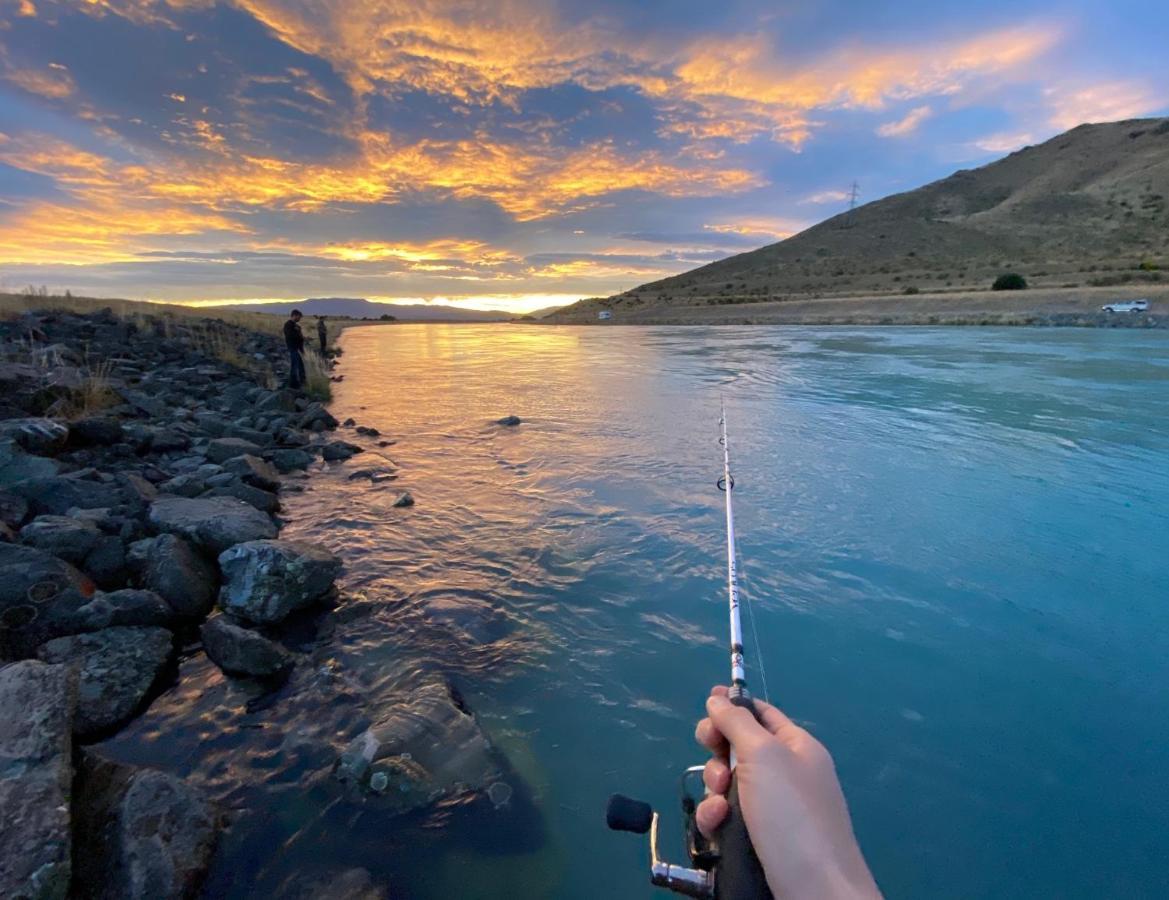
(339, 450)
(427, 748)
(509, 421)
(117, 666)
(470, 617)
(214, 523)
(290, 459)
(141, 834)
(404, 499)
(170, 566)
(242, 651)
(264, 581)
(36, 773)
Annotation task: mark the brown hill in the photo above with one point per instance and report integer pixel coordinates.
(1086, 208)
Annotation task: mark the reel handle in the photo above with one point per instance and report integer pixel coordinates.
(740, 874)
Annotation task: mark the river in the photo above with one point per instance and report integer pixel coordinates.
(956, 544)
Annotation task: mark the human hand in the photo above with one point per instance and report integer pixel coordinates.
(790, 797)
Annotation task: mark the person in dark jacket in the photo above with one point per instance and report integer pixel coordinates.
(294, 339)
(323, 334)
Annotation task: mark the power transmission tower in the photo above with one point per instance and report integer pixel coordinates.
(853, 193)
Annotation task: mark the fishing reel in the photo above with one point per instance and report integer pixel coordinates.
(626, 814)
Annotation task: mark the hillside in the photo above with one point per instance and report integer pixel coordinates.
(357, 308)
(1087, 208)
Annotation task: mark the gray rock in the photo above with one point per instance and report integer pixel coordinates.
(368, 431)
(404, 499)
(136, 490)
(38, 595)
(13, 509)
(213, 523)
(71, 539)
(338, 450)
(36, 775)
(289, 460)
(170, 566)
(56, 495)
(219, 479)
(141, 834)
(222, 449)
(17, 466)
(264, 581)
(276, 401)
(152, 406)
(127, 607)
(509, 421)
(189, 485)
(241, 651)
(95, 431)
(316, 413)
(210, 423)
(245, 433)
(106, 563)
(166, 440)
(254, 471)
(429, 747)
(43, 437)
(117, 668)
(265, 501)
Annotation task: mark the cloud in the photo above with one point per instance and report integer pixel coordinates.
(907, 124)
(1104, 102)
(826, 197)
(1004, 141)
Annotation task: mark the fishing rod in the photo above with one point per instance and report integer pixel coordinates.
(725, 868)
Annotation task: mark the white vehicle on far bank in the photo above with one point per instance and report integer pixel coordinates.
(1131, 306)
(605, 314)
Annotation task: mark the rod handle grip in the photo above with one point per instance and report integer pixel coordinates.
(740, 874)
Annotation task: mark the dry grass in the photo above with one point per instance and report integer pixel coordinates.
(94, 395)
(317, 384)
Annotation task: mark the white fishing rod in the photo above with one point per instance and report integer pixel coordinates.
(727, 867)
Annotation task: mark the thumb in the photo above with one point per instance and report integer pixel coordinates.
(737, 724)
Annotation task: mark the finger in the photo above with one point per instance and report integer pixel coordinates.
(719, 690)
(710, 814)
(716, 775)
(735, 723)
(711, 738)
(773, 719)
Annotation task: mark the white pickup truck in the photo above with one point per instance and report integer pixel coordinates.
(1129, 306)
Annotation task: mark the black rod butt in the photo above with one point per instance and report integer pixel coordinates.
(626, 814)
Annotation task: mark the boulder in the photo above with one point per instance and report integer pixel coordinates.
(106, 563)
(316, 414)
(189, 485)
(70, 539)
(290, 459)
(13, 509)
(127, 607)
(404, 499)
(254, 471)
(58, 494)
(36, 775)
(43, 437)
(16, 465)
(264, 581)
(265, 501)
(428, 747)
(39, 594)
(117, 668)
(339, 450)
(141, 834)
(213, 523)
(222, 449)
(241, 651)
(170, 566)
(95, 431)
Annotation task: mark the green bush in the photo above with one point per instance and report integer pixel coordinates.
(1011, 281)
(911, 290)
(1149, 266)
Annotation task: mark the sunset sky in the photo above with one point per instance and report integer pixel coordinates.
(508, 154)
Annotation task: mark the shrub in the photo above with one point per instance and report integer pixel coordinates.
(1148, 266)
(911, 290)
(1011, 281)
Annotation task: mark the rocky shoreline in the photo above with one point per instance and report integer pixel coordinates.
(142, 461)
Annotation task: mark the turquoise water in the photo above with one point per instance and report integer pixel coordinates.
(957, 546)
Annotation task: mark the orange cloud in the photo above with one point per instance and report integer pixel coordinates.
(1104, 102)
(907, 124)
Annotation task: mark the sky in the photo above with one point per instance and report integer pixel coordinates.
(507, 154)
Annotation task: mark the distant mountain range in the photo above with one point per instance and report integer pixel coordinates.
(358, 308)
(1089, 207)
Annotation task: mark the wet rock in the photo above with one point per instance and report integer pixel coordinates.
(13, 509)
(404, 499)
(316, 413)
(127, 607)
(242, 651)
(95, 431)
(374, 474)
(170, 566)
(471, 617)
(117, 668)
(509, 421)
(70, 539)
(43, 437)
(266, 580)
(290, 459)
(16, 465)
(428, 747)
(141, 834)
(349, 423)
(261, 500)
(254, 471)
(339, 450)
(213, 523)
(222, 449)
(36, 773)
(367, 431)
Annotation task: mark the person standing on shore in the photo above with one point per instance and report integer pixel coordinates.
(322, 333)
(294, 339)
